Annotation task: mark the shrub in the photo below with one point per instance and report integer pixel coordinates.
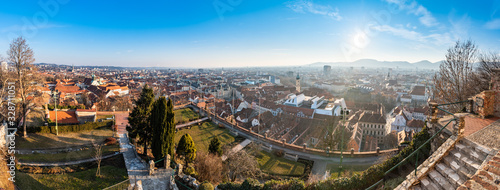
(110, 141)
(293, 184)
(206, 186)
(69, 128)
(55, 170)
(279, 153)
(36, 170)
(228, 186)
(69, 170)
(190, 171)
(250, 184)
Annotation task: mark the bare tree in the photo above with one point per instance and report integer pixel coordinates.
(455, 79)
(487, 62)
(241, 164)
(97, 157)
(22, 56)
(209, 167)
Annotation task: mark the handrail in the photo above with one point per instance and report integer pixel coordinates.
(414, 152)
(445, 111)
(160, 160)
(459, 102)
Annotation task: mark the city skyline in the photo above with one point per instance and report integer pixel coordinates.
(245, 33)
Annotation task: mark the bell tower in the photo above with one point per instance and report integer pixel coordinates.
(297, 83)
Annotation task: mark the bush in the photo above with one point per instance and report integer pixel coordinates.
(110, 141)
(293, 184)
(190, 171)
(279, 153)
(206, 186)
(228, 186)
(250, 184)
(69, 128)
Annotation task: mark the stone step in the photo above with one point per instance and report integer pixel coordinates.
(451, 175)
(470, 152)
(427, 184)
(417, 188)
(478, 148)
(439, 180)
(471, 165)
(454, 165)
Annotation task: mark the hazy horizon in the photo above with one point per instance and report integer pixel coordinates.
(220, 33)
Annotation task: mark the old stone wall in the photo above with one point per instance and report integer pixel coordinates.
(495, 87)
(484, 103)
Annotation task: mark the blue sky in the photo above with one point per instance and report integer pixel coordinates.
(234, 33)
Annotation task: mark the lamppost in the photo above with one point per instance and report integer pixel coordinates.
(342, 140)
(54, 94)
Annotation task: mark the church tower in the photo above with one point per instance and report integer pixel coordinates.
(297, 83)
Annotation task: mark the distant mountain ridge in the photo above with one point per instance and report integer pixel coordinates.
(424, 64)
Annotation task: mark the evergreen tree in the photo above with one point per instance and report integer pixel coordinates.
(215, 146)
(162, 122)
(138, 119)
(186, 148)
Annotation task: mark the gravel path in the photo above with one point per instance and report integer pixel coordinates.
(488, 136)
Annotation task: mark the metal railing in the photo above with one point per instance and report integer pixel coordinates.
(434, 108)
(119, 186)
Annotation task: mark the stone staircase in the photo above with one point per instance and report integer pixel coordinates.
(458, 166)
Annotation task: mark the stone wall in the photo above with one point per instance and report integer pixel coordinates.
(484, 103)
(495, 87)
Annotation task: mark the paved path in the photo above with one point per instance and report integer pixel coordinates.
(237, 148)
(190, 123)
(64, 163)
(489, 136)
(138, 170)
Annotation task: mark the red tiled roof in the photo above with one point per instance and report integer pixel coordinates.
(64, 117)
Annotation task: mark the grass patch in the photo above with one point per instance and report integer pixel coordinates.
(78, 180)
(49, 140)
(185, 115)
(104, 117)
(69, 156)
(348, 169)
(272, 164)
(203, 134)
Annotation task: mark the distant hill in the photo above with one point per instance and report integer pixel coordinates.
(424, 64)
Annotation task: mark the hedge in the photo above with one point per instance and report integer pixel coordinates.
(358, 181)
(70, 128)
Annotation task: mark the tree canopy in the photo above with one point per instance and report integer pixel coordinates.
(215, 146)
(138, 119)
(186, 148)
(163, 125)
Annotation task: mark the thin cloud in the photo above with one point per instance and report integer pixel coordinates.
(425, 16)
(18, 28)
(493, 24)
(306, 6)
(436, 38)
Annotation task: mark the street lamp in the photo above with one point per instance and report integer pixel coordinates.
(54, 94)
(342, 141)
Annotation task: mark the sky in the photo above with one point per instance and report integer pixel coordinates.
(245, 33)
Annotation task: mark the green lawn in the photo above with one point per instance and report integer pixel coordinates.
(49, 140)
(78, 180)
(104, 117)
(60, 157)
(203, 134)
(185, 115)
(272, 164)
(334, 169)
